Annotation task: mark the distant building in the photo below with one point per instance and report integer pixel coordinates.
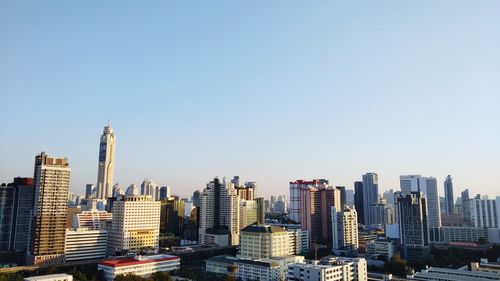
(345, 229)
(142, 266)
(295, 187)
(106, 165)
(251, 212)
(135, 226)
(172, 216)
(84, 244)
(486, 266)
(428, 187)
(219, 219)
(359, 202)
(412, 212)
(448, 195)
(92, 219)
(49, 225)
(447, 234)
(370, 197)
(22, 212)
(485, 212)
(315, 212)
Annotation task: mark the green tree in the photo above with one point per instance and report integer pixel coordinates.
(397, 266)
(160, 276)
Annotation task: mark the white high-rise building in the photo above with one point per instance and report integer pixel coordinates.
(85, 244)
(106, 164)
(135, 226)
(220, 216)
(485, 212)
(345, 229)
(428, 187)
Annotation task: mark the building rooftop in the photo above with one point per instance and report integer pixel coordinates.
(44, 277)
(137, 260)
(261, 228)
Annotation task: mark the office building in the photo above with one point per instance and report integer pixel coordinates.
(24, 201)
(264, 241)
(165, 192)
(485, 212)
(345, 229)
(106, 165)
(172, 217)
(370, 197)
(90, 191)
(150, 188)
(315, 212)
(295, 187)
(219, 219)
(428, 187)
(196, 198)
(84, 244)
(142, 266)
(448, 195)
(50, 211)
(251, 212)
(51, 277)
(412, 213)
(448, 234)
(358, 201)
(135, 226)
(7, 194)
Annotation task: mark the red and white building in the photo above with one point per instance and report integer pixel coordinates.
(139, 265)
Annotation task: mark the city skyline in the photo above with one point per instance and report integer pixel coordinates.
(316, 90)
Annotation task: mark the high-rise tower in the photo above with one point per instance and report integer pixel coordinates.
(50, 210)
(106, 164)
(370, 197)
(448, 195)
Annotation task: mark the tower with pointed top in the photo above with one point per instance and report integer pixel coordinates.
(106, 164)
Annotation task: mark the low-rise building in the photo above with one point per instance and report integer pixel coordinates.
(139, 265)
(447, 234)
(381, 248)
(485, 266)
(448, 274)
(85, 244)
(269, 269)
(51, 277)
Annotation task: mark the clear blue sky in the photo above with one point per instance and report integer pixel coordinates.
(269, 90)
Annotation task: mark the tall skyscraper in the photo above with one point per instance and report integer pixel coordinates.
(412, 212)
(6, 216)
(24, 200)
(106, 166)
(466, 207)
(89, 191)
(358, 201)
(344, 229)
(370, 196)
(428, 187)
(448, 195)
(219, 219)
(295, 187)
(50, 210)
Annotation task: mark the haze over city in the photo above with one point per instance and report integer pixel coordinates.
(269, 91)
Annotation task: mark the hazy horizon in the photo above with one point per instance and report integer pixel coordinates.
(271, 91)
